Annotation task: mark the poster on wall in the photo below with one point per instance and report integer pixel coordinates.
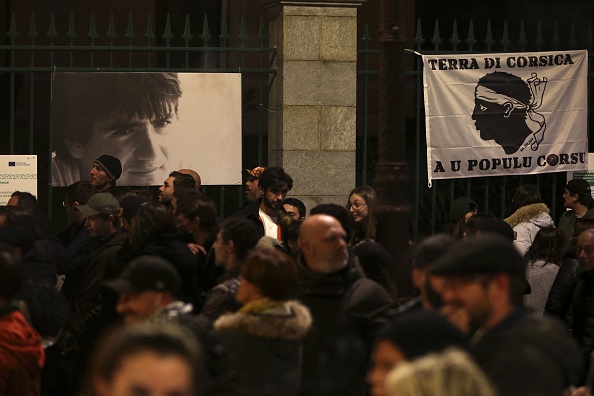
(506, 113)
(17, 173)
(154, 123)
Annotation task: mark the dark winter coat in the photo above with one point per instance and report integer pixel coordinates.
(527, 354)
(263, 349)
(583, 312)
(252, 212)
(348, 310)
(85, 274)
(559, 299)
(174, 250)
(568, 218)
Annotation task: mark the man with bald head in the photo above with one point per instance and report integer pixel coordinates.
(347, 309)
(194, 175)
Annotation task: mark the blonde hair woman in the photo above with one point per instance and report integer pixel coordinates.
(445, 374)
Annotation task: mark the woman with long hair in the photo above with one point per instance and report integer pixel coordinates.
(543, 259)
(361, 205)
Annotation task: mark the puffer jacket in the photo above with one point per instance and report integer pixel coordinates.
(263, 347)
(526, 222)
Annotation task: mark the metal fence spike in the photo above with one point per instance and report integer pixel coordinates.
(168, 36)
(436, 40)
(92, 35)
(419, 40)
(505, 37)
(243, 31)
(51, 32)
(130, 30)
(522, 39)
(149, 35)
(12, 32)
(32, 29)
(205, 36)
(470, 40)
(262, 32)
(111, 33)
(455, 40)
(71, 34)
(187, 34)
(489, 37)
(224, 36)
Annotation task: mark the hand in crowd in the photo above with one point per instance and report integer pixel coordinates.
(195, 248)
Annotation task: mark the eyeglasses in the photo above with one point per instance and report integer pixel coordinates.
(357, 205)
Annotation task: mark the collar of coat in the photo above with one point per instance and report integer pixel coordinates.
(290, 323)
(525, 213)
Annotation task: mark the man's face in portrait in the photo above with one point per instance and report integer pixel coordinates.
(99, 178)
(501, 123)
(140, 145)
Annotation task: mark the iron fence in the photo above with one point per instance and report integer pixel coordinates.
(493, 194)
(28, 60)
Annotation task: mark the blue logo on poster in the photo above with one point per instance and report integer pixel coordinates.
(11, 163)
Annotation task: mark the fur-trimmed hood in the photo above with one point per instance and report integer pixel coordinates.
(290, 321)
(528, 213)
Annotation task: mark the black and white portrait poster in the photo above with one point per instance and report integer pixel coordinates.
(507, 113)
(154, 123)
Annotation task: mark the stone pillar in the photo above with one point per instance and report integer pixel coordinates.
(312, 128)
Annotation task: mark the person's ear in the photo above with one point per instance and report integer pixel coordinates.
(196, 222)
(508, 109)
(75, 148)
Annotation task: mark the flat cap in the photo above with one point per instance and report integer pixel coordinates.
(486, 254)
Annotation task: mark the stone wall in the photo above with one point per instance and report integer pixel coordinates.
(312, 124)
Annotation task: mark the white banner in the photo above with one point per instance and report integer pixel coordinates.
(17, 173)
(507, 113)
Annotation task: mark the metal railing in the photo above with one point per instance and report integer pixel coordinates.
(28, 60)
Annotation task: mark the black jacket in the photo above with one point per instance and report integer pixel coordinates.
(527, 354)
(560, 295)
(252, 212)
(348, 310)
(172, 249)
(582, 305)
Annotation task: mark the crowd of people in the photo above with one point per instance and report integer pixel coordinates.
(144, 295)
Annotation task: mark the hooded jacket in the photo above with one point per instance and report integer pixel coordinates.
(263, 347)
(526, 222)
(21, 355)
